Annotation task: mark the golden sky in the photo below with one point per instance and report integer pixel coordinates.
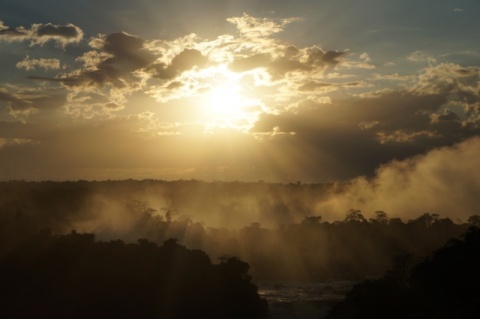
(217, 90)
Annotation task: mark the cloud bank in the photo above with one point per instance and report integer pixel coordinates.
(445, 181)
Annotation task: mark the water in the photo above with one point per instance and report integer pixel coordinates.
(294, 300)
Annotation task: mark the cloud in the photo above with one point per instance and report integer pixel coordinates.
(185, 60)
(40, 34)
(186, 67)
(6, 142)
(24, 102)
(251, 62)
(365, 57)
(394, 77)
(443, 181)
(113, 106)
(31, 64)
(263, 61)
(450, 78)
(300, 113)
(107, 77)
(308, 60)
(353, 136)
(421, 57)
(324, 87)
(123, 54)
(259, 27)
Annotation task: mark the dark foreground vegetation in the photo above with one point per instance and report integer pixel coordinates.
(297, 245)
(73, 276)
(49, 269)
(445, 285)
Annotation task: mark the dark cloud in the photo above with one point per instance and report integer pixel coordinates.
(128, 47)
(319, 57)
(314, 58)
(125, 54)
(281, 66)
(42, 33)
(313, 86)
(13, 34)
(185, 60)
(25, 101)
(316, 142)
(449, 78)
(292, 59)
(113, 106)
(174, 85)
(352, 137)
(49, 30)
(128, 54)
(250, 63)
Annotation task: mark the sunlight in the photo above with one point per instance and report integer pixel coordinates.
(226, 103)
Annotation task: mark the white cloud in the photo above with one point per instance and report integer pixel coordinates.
(31, 64)
(365, 57)
(259, 27)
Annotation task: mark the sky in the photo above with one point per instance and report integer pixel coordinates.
(280, 91)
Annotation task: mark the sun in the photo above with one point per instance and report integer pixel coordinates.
(225, 103)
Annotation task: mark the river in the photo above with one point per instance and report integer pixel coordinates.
(302, 300)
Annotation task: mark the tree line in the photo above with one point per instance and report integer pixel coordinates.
(310, 248)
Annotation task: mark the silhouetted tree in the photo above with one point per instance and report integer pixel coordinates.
(426, 220)
(380, 217)
(312, 220)
(354, 215)
(474, 220)
(73, 276)
(446, 285)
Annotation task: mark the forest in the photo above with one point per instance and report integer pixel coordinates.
(285, 240)
(97, 242)
(72, 276)
(443, 285)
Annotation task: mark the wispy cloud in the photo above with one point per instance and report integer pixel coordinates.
(39, 34)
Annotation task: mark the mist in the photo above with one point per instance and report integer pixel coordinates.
(284, 231)
(445, 181)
